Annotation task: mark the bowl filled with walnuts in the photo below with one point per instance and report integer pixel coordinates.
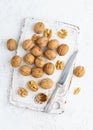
(41, 54)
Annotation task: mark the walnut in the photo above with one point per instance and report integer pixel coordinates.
(46, 83)
(62, 33)
(42, 41)
(62, 49)
(37, 72)
(53, 44)
(29, 59)
(11, 44)
(39, 27)
(25, 70)
(35, 37)
(49, 68)
(40, 62)
(28, 44)
(48, 33)
(23, 92)
(50, 54)
(60, 65)
(76, 91)
(33, 85)
(36, 51)
(79, 71)
(41, 98)
(16, 61)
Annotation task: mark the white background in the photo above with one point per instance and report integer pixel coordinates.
(79, 109)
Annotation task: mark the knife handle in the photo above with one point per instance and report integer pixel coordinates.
(50, 103)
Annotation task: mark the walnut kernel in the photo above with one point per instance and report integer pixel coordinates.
(62, 33)
(60, 65)
(33, 85)
(76, 91)
(23, 92)
(48, 33)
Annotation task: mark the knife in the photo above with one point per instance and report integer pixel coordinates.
(61, 82)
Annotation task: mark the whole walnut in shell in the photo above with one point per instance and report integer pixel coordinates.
(36, 51)
(79, 71)
(53, 44)
(46, 83)
(40, 62)
(11, 44)
(37, 72)
(50, 54)
(29, 59)
(42, 41)
(25, 70)
(62, 49)
(16, 61)
(49, 68)
(28, 44)
(39, 27)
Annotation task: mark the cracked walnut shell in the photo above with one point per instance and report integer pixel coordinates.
(29, 59)
(41, 98)
(50, 54)
(79, 71)
(46, 83)
(16, 61)
(28, 44)
(36, 51)
(40, 62)
(62, 49)
(39, 27)
(49, 68)
(37, 72)
(11, 44)
(53, 44)
(33, 85)
(25, 70)
(22, 92)
(42, 41)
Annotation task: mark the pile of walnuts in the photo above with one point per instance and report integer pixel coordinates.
(40, 48)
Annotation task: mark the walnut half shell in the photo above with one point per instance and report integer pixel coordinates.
(41, 98)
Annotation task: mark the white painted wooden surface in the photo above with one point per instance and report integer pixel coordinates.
(79, 110)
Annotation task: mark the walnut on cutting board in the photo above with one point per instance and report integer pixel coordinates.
(11, 44)
(39, 27)
(33, 85)
(28, 44)
(37, 72)
(25, 70)
(29, 59)
(49, 68)
(41, 98)
(16, 61)
(53, 44)
(62, 49)
(40, 61)
(46, 83)
(22, 92)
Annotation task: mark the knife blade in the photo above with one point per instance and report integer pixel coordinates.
(66, 70)
(61, 81)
